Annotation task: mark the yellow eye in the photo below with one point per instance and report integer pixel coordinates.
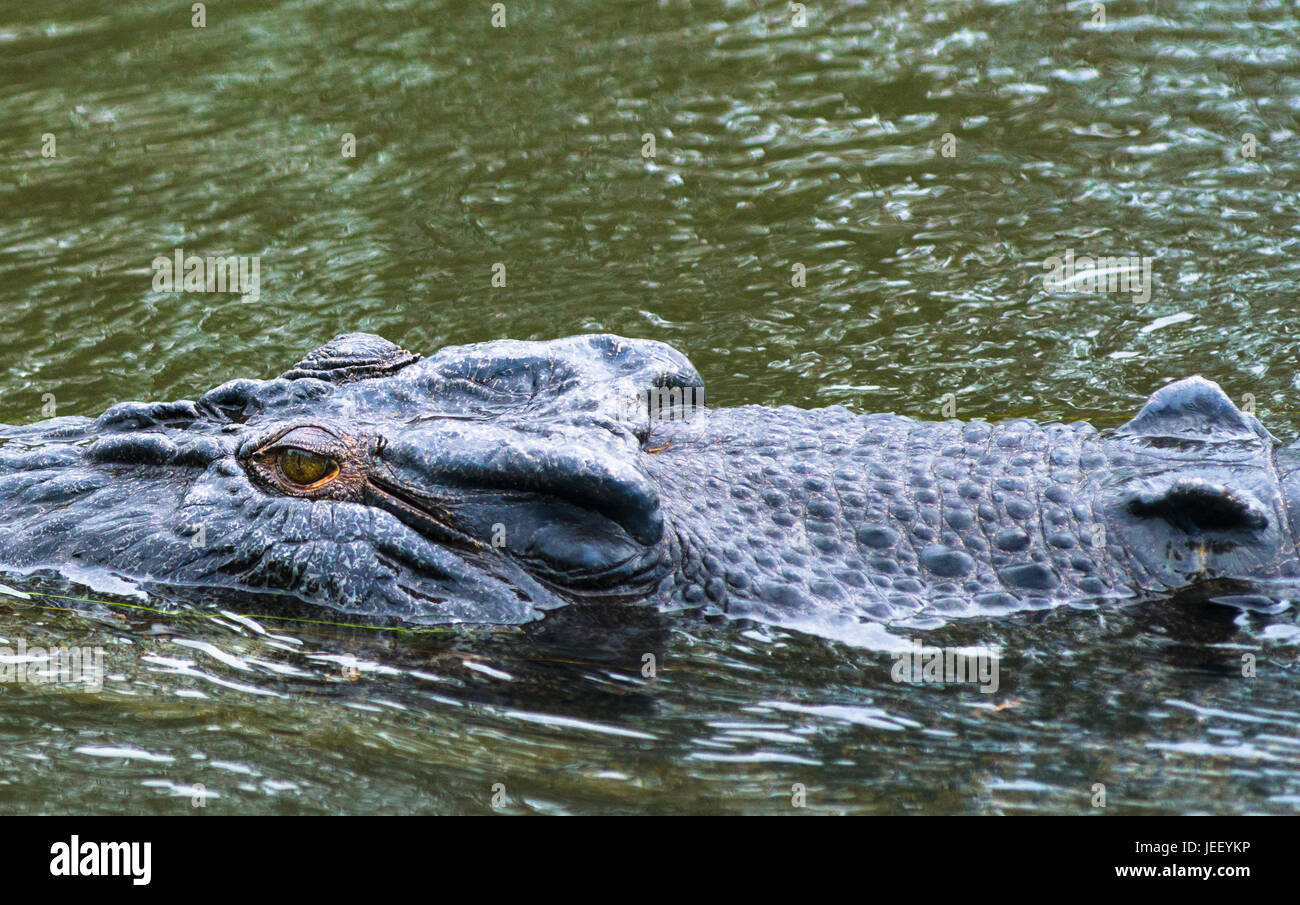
(305, 468)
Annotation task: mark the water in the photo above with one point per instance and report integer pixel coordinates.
(921, 161)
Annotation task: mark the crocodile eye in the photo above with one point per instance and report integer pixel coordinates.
(305, 468)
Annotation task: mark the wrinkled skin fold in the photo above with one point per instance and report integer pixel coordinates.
(491, 483)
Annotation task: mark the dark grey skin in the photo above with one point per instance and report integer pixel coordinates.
(490, 483)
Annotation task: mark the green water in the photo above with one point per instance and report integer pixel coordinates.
(919, 160)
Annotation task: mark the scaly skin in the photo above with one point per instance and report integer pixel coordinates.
(493, 482)
(826, 516)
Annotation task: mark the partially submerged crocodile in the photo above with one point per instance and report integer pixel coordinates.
(489, 483)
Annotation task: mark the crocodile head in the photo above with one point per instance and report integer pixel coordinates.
(486, 483)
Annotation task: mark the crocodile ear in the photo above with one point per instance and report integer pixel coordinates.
(1196, 506)
(352, 356)
(1193, 410)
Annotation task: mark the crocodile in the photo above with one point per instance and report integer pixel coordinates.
(493, 482)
